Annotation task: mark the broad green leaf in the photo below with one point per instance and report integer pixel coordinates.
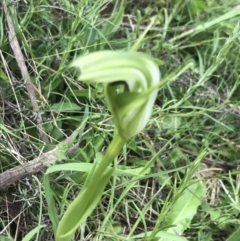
(162, 235)
(56, 133)
(65, 107)
(184, 209)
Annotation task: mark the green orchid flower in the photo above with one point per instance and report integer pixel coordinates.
(127, 77)
(131, 86)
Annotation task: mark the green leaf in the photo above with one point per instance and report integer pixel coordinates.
(235, 236)
(169, 237)
(163, 235)
(113, 23)
(52, 211)
(29, 236)
(86, 167)
(184, 209)
(3, 76)
(5, 238)
(90, 194)
(87, 93)
(197, 6)
(65, 107)
(83, 205)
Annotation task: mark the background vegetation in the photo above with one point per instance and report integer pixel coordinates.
(193, 133)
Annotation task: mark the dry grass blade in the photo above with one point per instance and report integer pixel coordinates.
(24, 72)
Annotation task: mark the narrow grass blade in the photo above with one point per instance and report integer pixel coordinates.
(52, 211)
(87, 167)
(29, 236)
(233, 13)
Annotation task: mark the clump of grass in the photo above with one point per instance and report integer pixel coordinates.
(193, 133)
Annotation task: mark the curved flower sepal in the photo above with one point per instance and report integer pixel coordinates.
(131, 72)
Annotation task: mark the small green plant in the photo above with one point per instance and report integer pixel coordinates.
(193, 132)
(131, 84)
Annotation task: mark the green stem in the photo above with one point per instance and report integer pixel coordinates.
(113, 150)
(89, 196)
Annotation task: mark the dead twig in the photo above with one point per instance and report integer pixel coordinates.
(34, 166)
(24, 72)
(159, 29)
(209, 161)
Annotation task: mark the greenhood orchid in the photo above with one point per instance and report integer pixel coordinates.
(136, 73)
(130, 83)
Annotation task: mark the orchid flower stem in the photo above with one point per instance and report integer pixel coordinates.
(113, 150)
(89, 196)
(131, 109)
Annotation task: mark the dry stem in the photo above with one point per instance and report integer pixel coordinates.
(24, 72)
(34, 166)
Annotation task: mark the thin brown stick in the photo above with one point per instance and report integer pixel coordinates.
(209, 161)
(160, 29)
(24, 72)
(34, 166)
